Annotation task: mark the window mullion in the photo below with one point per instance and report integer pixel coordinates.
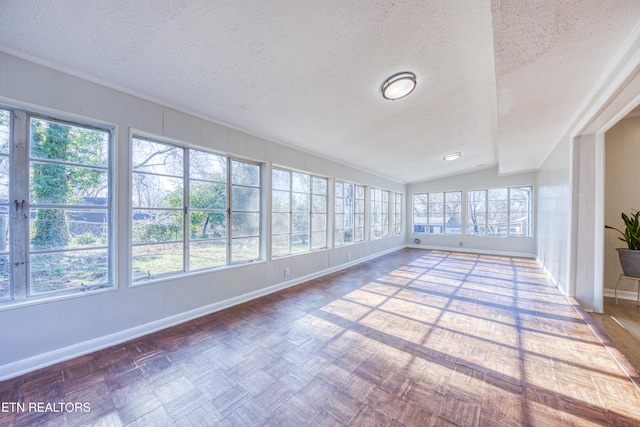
(186, 186)
(229, 231)
(290, 212)
(19, 192)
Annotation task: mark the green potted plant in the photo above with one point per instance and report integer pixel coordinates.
(630, 256)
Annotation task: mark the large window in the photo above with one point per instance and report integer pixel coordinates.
(349, 213)
(397, 213)
(379, 224)
(437, 213)
(55, 207)
(299, 212)
(501, 212)
(191, 210)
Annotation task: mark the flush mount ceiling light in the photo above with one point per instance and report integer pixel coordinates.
(399, 85)
(452, 156)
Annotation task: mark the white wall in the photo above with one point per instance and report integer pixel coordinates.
(554, 211)
(482, 179)
(34, 335)
(622, 151)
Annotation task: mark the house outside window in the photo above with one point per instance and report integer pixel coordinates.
(500, 212)
(437, 213)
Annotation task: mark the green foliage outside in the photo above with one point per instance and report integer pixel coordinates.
(56, 184)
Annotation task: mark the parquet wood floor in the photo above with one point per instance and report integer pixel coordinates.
(411, 338)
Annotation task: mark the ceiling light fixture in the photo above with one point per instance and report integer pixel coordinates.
(452, 156)
(399, 85)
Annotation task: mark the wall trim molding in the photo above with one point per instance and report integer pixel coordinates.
(626, 295)
(20, 367)
(472, 251)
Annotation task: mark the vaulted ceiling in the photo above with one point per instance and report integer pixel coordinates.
(498, 80)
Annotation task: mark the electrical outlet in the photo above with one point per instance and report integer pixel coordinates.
(349, 256)
(286, 272)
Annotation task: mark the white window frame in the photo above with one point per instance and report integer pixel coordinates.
(509, 221)
(21, 210)
(398, 215)
(440, 226)
(185, 210)
(379, 222)
(315, 216)
(356, 211)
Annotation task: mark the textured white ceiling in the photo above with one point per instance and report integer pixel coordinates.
(497, 80)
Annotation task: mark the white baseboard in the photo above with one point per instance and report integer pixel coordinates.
(14, 369)
(472, 251)
(626, 295)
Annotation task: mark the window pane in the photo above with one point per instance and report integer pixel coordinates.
(245, 224)
(206, 195)
(73, 144)
(149, 261)
(420, 209)
(497, 213)
(347, 235)
(319, 222)
(54, 184)
(280, 245)
(339, 189)
(5, 230)
(157, 226)
(436, 213)
(67, 228)
(155, 191)
(245, 174)
(245, 249)
(476, 212)
(319, 186)
(280, 223)
(300, 222)
(299, 242)
(245, 198)
(300, 202)
(67, 270)
(207, 166)
(5, 291)
(280, 180)
(520, 211)
(207, 225)
(280, 201)
(453, 213)
(4, 179)
(68, 167)
(301, 183)
(207, 254)
(5, 139)
(319, 240)
(319, 204)
(156, 158)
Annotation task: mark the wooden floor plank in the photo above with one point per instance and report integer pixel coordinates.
(425, 338)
